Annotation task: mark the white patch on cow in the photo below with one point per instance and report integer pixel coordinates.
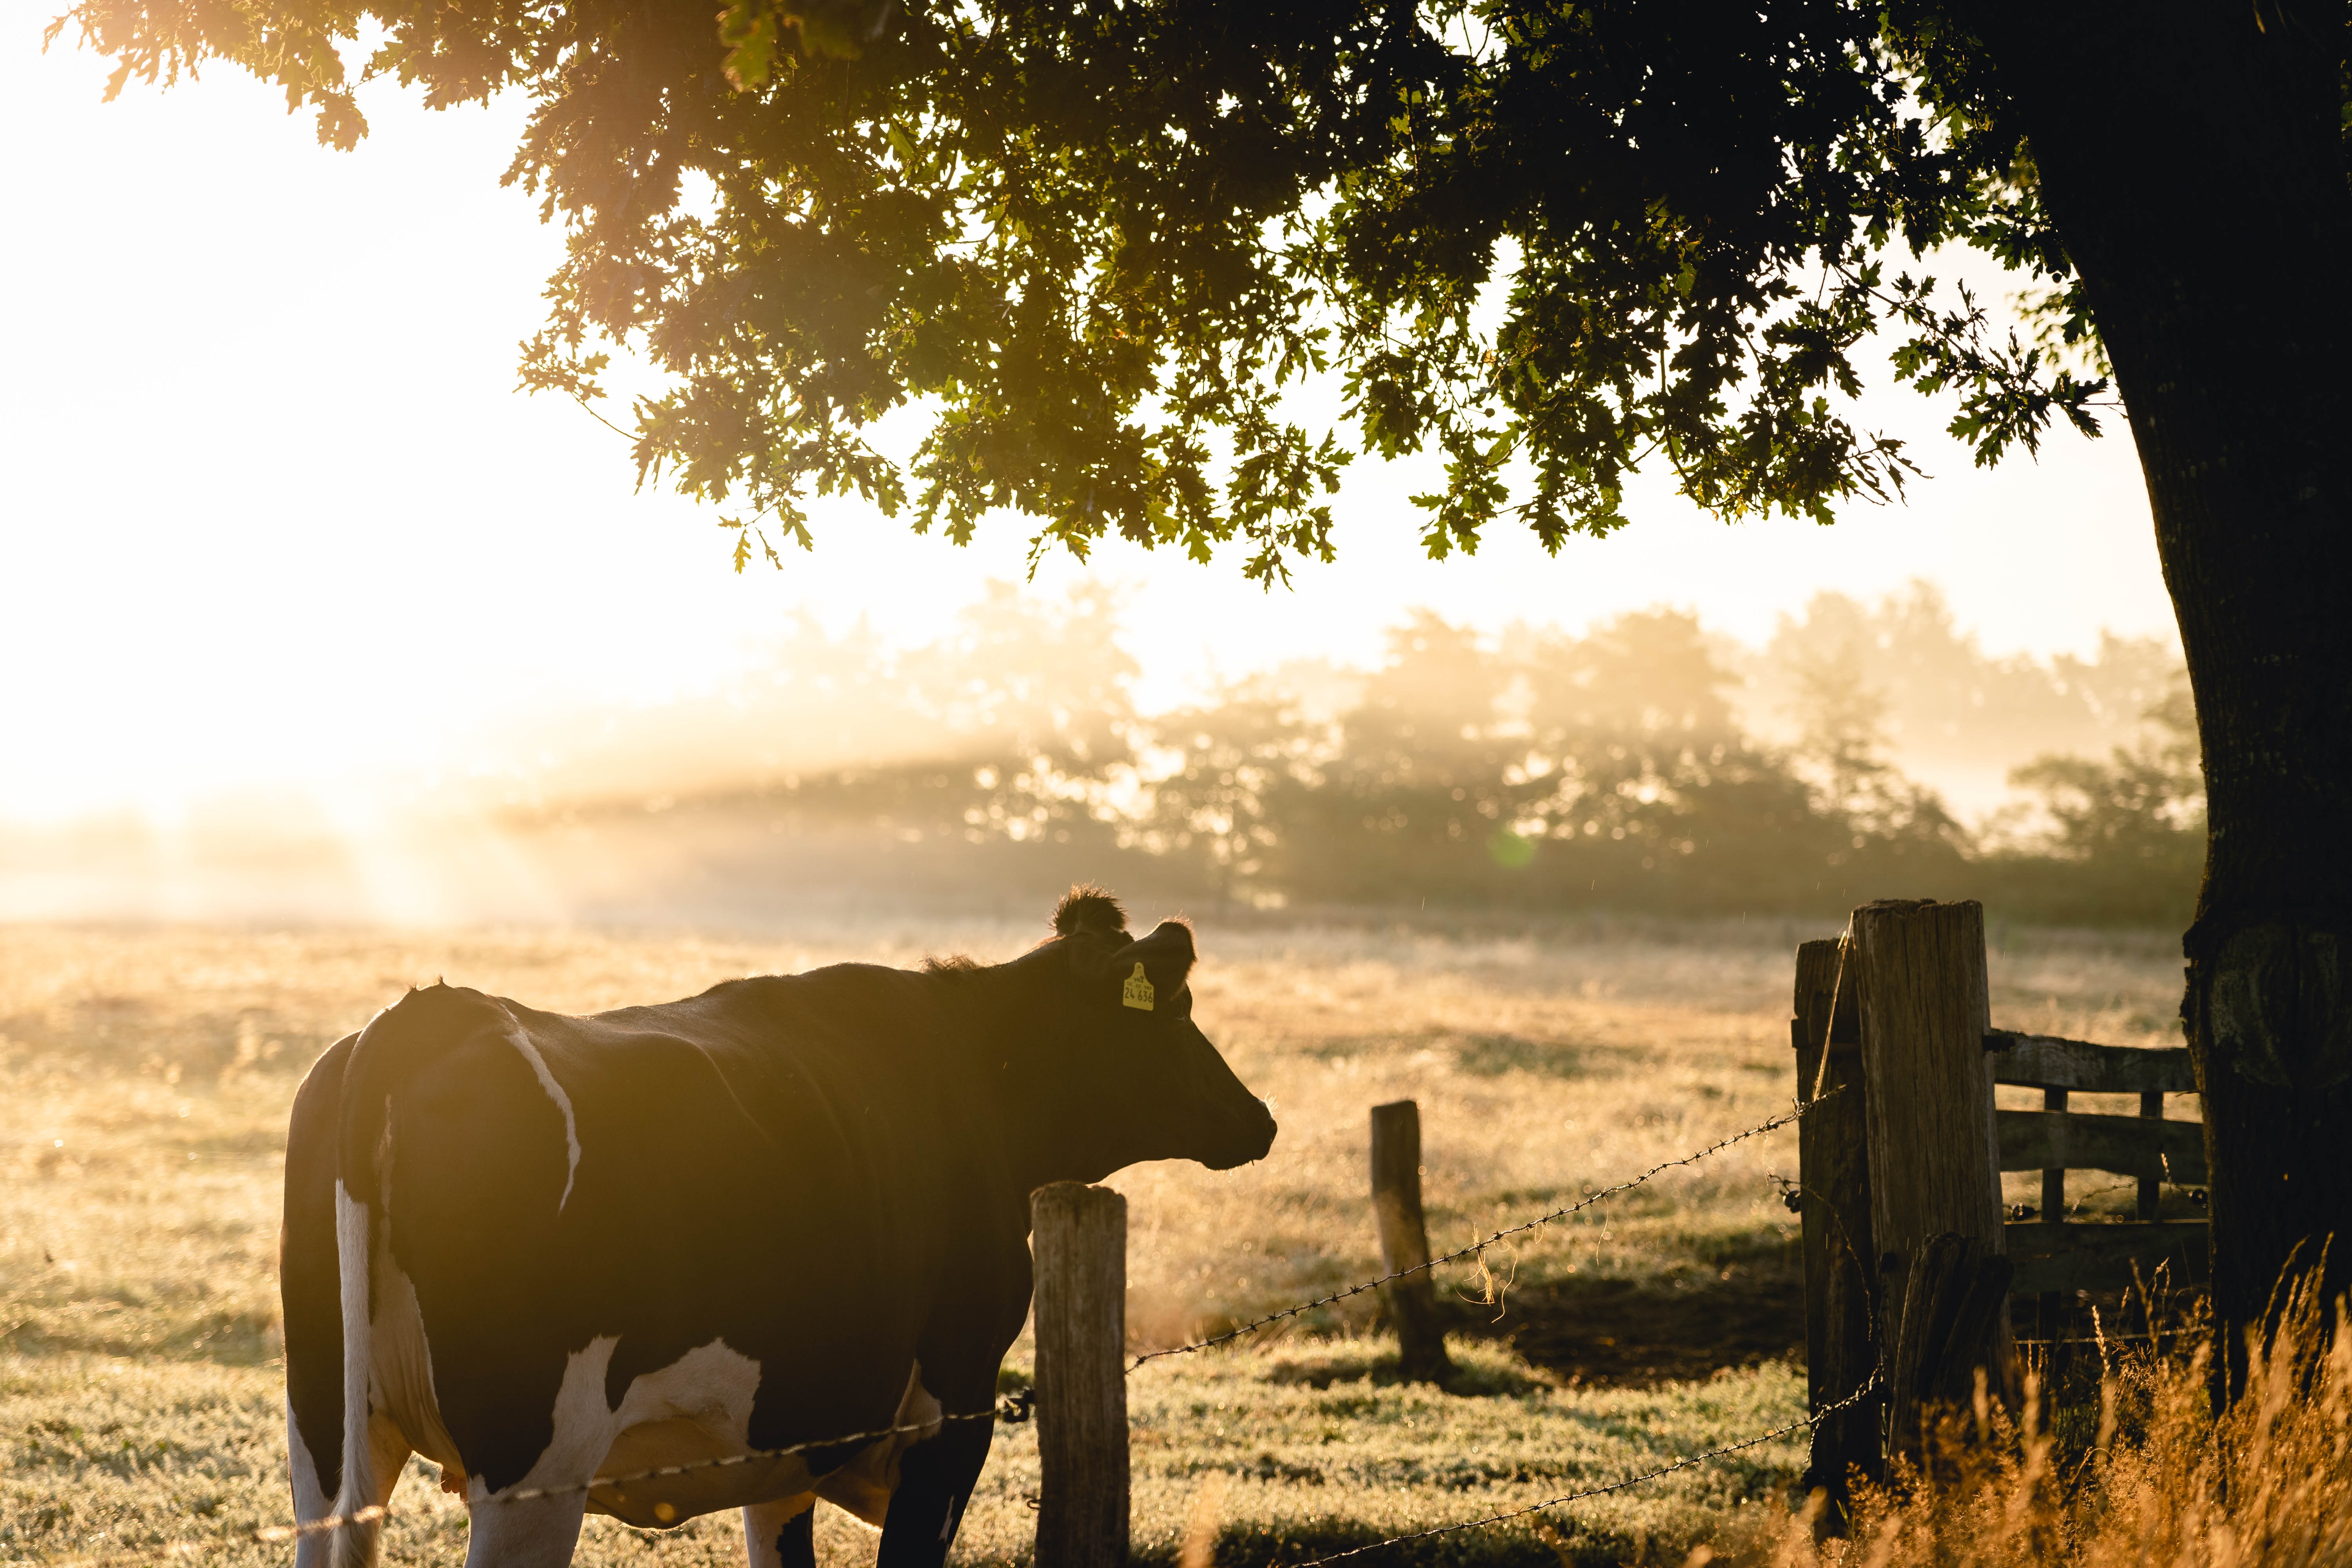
(400, 1365)
(389, 1407)
(918, 1406)
(712, 1387)
(585, 1424)
(530, 1532)
(375, 1446)
(563, 1103)
(311, 1498)
(695, 1410)
(764, 1527)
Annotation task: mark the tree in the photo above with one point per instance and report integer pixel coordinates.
(1419, 790)
(1651, 784)
(1237, 763)
(1842, 727)
(1951, 706)
(1103, 243)
(2145, 804)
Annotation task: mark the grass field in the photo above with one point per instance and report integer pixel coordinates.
(144, 1076)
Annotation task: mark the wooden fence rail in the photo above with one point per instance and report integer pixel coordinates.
(2154, 1150)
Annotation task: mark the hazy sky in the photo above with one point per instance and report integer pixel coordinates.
(274, 510)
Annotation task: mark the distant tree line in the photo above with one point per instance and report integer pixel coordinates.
(1544, 771)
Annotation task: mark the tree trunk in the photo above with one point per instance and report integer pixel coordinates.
(2192, 158)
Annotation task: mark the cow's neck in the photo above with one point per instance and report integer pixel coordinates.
(1044, 1137)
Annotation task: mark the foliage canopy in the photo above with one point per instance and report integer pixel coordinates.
(1100, 244)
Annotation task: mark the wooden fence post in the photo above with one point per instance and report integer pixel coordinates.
(1412, 1302)
(1080, 1242)
(1934, 1192)
(1840, 1265)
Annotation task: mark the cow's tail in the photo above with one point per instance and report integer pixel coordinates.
(354, 1538)
(403, 1039)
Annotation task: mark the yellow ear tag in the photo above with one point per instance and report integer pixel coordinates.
(1138, 992)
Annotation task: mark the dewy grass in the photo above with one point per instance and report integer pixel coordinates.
(145, 1075)
(1320, 1448)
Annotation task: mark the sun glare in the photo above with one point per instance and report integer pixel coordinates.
(281, 529)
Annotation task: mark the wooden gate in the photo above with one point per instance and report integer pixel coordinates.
(1910, 1254)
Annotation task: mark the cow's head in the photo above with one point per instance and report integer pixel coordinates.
(1126, 1074)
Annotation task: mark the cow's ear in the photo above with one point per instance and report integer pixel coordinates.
(1150, 973)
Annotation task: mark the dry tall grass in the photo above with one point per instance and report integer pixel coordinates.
(2165, 1484)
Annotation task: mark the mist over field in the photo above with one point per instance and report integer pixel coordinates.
(1866, 750)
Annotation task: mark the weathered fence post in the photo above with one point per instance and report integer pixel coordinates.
(1080, 1243)
(1935, 1190)
(1411, 1301)
(1840, 1265)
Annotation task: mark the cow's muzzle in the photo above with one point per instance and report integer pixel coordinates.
(1252, 1135)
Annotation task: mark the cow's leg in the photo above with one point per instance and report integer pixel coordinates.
(935, 1481)
(781, 1534)
(312, 1502)
(357, 1547)
(538, 1532)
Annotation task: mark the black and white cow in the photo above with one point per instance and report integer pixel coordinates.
(541, 1250)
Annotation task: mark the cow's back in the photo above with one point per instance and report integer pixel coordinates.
(775, 1165)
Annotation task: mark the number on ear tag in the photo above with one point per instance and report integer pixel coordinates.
(1138, 992)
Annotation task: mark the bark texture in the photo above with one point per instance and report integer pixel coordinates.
(2192, 156)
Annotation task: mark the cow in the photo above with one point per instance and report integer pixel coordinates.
(552, 1253)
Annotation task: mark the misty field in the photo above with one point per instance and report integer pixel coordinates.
(144, 1077)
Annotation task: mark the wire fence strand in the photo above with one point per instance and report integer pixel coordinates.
(1782, 1119)
(1012, 1412)
(1018, 1409)
(269, 1534)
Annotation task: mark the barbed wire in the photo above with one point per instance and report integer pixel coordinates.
(1012, 1410)
(1586, 1202)
(1020, 1408)
(1815, 1419)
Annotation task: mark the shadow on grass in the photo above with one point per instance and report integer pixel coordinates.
(1482, 1379)
(1619, 1332)
(1576, 1544)
(224, 1337)
(1492, 1056)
